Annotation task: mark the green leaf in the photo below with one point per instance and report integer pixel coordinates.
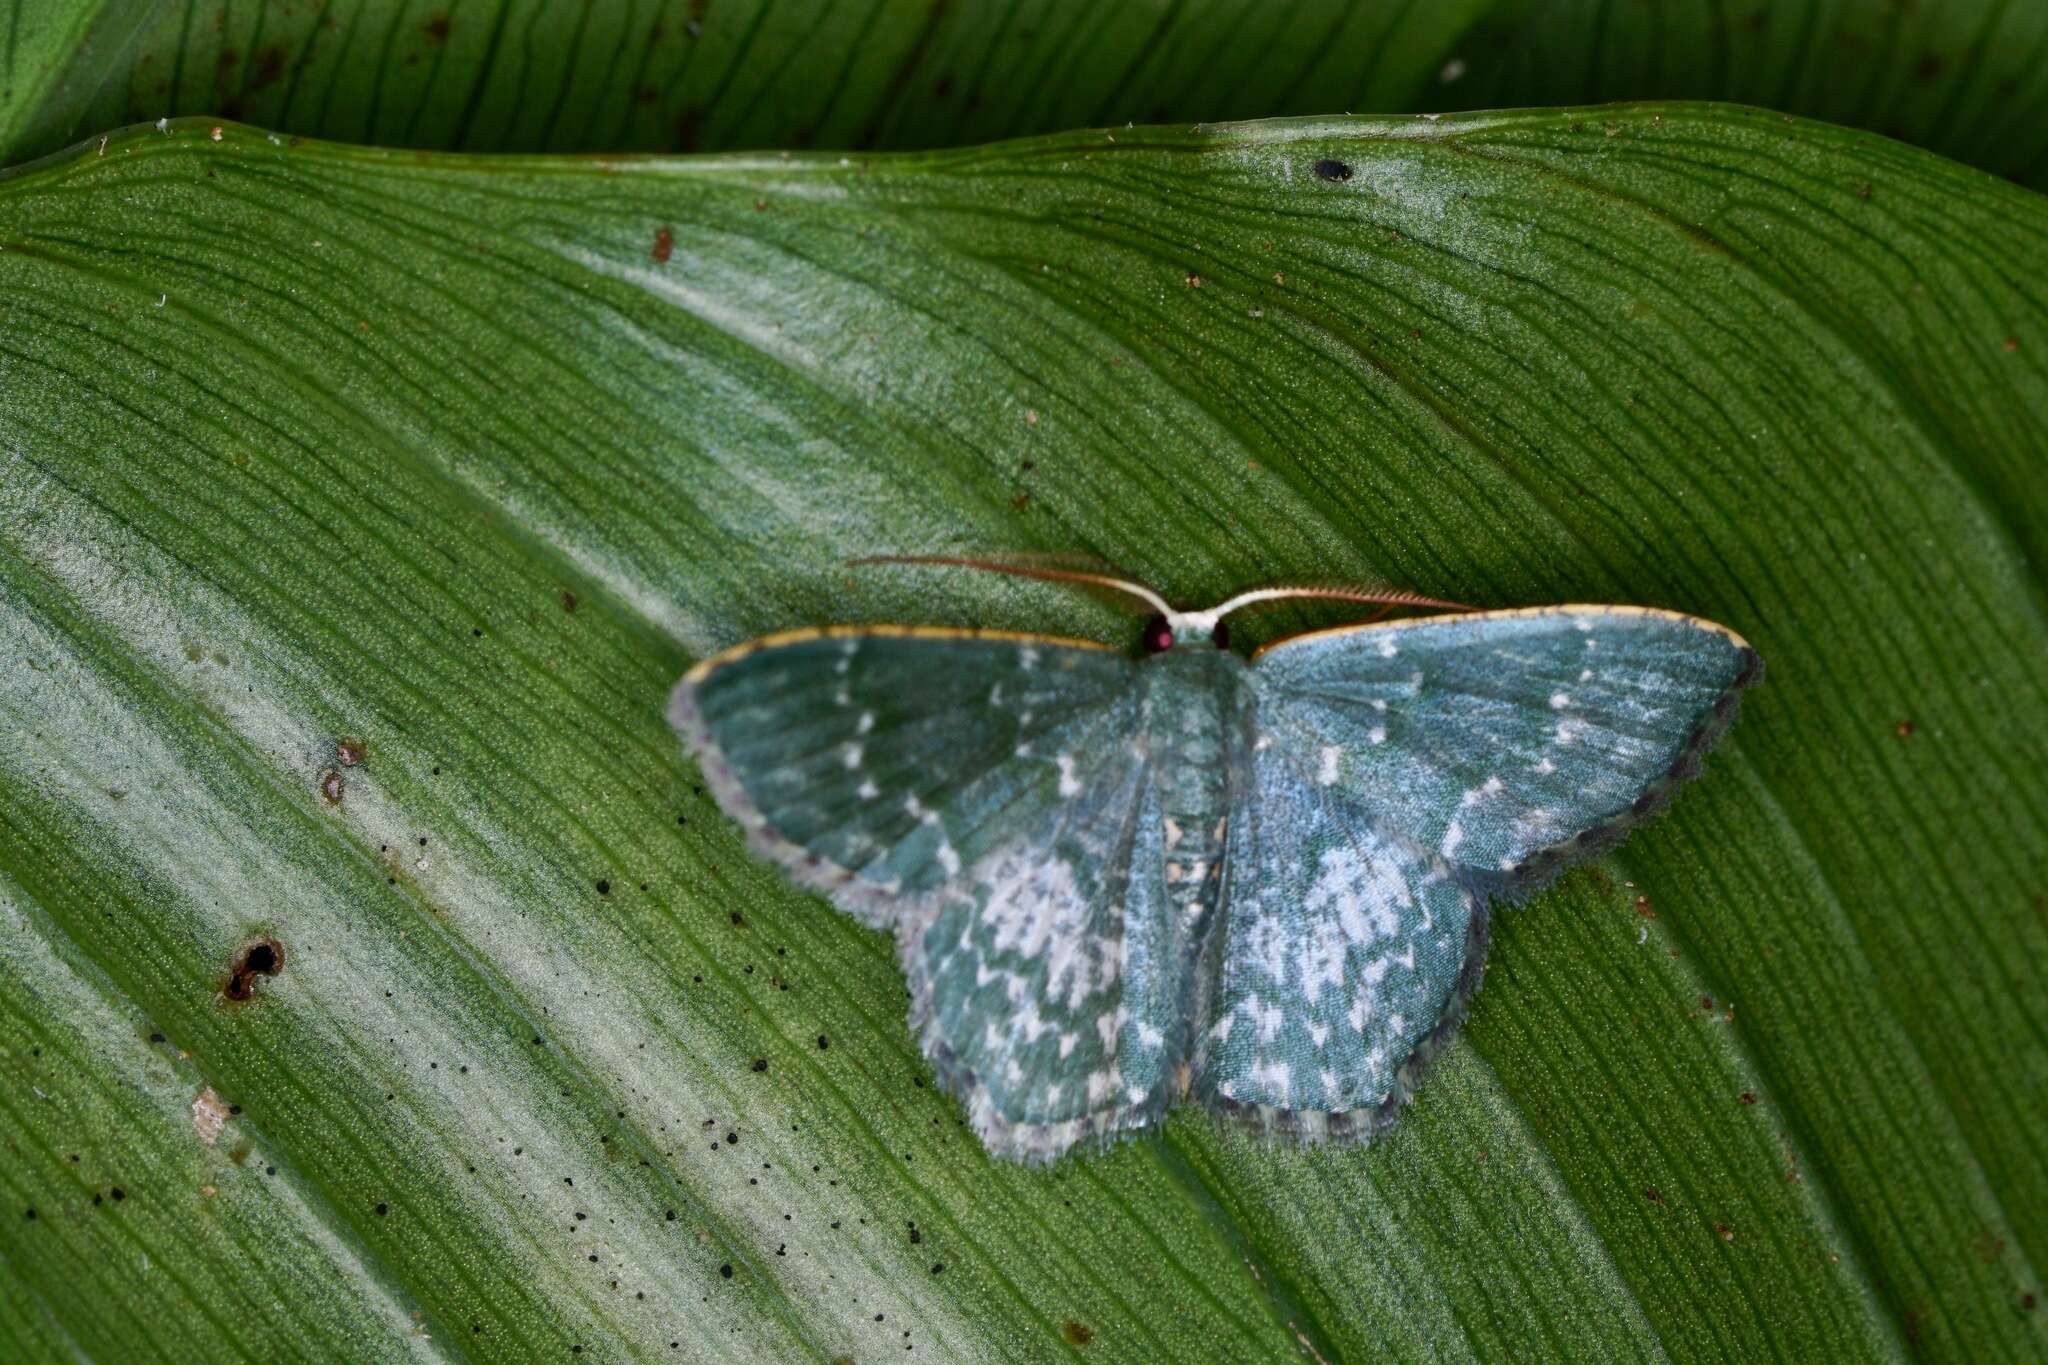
(463, 461)
(1967, 78)
(625, 75)
(58, 59)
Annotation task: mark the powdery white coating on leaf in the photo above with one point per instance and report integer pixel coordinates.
(148, 1108)
(1116, 884)
(391, 994)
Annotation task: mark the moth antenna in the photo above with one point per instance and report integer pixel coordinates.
(1097, 580)
(1380, 597)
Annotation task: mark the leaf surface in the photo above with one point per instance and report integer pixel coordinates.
(462, 461)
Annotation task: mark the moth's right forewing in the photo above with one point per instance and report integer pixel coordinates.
(1510, 743)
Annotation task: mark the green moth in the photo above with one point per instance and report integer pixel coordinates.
(1121, 880)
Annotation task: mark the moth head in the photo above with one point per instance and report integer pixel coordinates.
(1166, 629)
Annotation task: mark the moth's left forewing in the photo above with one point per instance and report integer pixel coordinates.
(1508, 743)
(874, 763)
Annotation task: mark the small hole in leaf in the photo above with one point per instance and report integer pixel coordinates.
(264, 957)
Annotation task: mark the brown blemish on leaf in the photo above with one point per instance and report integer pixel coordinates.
(269, 65)
(264, 957)
(664, 243)
(1904, 729)
(1077, 1333)
(436, 29)
(209, 1116)
(348, 752)
(687, 125)
(331, 787)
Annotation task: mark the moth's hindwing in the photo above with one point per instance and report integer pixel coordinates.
(1344, 955)
(1045, 987)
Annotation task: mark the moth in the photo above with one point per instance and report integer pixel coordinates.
(1122, 880)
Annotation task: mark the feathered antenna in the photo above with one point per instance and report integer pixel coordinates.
(1018, 570)
(1383, 597)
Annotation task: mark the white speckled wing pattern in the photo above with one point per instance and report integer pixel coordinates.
(1400, 775)
(1506, 743)
(1342, 951)
(875, 763)
(1115, 883)
(1045, 982)
(988, 797)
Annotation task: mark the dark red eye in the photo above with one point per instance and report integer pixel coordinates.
(1221, 635)
(1158, 636)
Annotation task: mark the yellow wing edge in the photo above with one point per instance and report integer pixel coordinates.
(801, 634)
(1559, 609)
